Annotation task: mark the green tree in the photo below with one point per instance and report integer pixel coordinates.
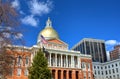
(39, 68)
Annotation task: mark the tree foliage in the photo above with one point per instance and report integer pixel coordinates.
(39, 68)
(9, 33)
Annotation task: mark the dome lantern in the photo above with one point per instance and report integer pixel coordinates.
(48, 23)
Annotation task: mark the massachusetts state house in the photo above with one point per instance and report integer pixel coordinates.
(63, 63)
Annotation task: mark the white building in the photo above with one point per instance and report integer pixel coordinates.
(107, 70)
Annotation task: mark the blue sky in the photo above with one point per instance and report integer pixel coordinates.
(72, 19)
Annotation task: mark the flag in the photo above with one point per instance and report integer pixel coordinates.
(43, 40)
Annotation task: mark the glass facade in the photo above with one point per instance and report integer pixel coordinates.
(94, 48)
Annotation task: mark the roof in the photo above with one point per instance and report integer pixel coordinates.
(57, 41)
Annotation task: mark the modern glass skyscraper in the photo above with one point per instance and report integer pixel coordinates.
(93, 47)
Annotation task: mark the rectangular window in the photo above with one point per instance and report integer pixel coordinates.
(26, 72)
(113, 70)
(98, 72)
(118, 76)
(83, 65)
(105, 67)
(102, 72)
(88, 66)
(116, 69)
(95, 72)
(84, 75)
(94, 67)
(18, 72)
(106, 73)
(19, 60)
(109, 72)
(27, 60)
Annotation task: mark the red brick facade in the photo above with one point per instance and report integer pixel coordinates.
(115, 53)
(22, 66)
(57, 72)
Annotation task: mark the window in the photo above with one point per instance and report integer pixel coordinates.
(19, 60)
(113, 75)
(83, 65)
(27, 60)
(113, 70)
(112, 65)
(108, 66)
(106, 73)
(102, 72)
(101, 67)
(116, 64)
(109, 72)
(116, 69)
(98, 67)
(95, 72)
(26, 72)
(118, 76)
(98, 72)
(18, 72)
(94, 67)
(84, 75)
(105, 67)
(110, 77)
(88, 66)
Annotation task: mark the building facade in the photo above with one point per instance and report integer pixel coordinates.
(107, 70)
(115, 53)
(63, 63)
(21, 62)
(93, 47)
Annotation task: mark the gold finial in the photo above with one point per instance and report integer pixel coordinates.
(48, 23)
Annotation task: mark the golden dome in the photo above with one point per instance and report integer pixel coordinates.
(48, 32)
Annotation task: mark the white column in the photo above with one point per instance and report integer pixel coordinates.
(61, 60)
(78, 60)
(66, 60)
(56, 60)
(71, 61)
(50, 59)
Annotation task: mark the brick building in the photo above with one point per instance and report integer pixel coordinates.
(115, 53)
(63, 63)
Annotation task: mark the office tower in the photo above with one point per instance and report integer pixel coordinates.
(93, 47)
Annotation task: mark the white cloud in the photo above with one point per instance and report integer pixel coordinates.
(111, 42)
(30, 20)
(40, 8)
(7, 35)
(21, 12)
(16, 4)
(18, 36)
